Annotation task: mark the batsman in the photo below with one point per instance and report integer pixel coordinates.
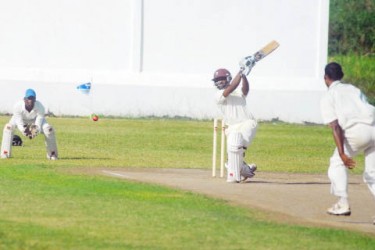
(29, 118)
(241, 125)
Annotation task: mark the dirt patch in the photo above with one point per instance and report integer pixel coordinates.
(300, 198)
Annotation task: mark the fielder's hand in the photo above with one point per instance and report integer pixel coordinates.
(348, 162)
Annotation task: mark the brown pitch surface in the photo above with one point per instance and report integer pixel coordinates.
(298, 198)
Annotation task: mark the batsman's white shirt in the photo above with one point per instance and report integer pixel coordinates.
(233, 107)
(236, 115)
(22, 117)
(347, 104)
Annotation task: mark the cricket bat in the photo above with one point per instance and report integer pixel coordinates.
(248, 62)
(265, 51)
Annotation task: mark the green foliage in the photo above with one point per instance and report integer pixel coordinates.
(352, 27)
(360, 71)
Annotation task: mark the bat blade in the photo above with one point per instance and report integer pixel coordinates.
(266, 50)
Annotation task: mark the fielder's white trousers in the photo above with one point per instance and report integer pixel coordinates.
(359, 138)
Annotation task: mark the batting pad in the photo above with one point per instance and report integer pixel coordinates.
(235, 157)
(50, 140)
(6, 144)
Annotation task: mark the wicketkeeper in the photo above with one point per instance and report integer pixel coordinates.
(241, 125)
(29, 118)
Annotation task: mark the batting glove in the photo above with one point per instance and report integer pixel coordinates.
(246, 64)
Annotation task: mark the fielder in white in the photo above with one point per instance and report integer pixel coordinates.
(352, 119)
(241, 125)
(29, 113)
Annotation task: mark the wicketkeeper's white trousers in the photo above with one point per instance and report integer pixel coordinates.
(359, 138)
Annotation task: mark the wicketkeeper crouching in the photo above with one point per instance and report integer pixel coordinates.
(29, 118)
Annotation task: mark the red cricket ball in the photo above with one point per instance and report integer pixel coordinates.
(95, 118)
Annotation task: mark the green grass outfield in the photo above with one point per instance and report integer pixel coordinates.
(44, 205)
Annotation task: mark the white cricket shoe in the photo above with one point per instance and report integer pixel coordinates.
(4, 156)
(52, 157)
(231, 179)
(339, 209)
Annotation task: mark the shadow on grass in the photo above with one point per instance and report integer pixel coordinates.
(296, 183)
(357, 222)
(84, 158)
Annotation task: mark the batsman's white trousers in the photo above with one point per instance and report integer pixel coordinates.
(247, 129)
(235, 157)
(239, 136)
(359, 138)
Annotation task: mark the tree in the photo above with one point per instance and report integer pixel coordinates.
(351, 27)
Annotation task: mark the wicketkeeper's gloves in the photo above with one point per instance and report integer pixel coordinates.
(31, 131)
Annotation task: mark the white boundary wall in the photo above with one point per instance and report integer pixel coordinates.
(156, 57)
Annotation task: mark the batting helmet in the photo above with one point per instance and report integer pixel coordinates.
(222, 74)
